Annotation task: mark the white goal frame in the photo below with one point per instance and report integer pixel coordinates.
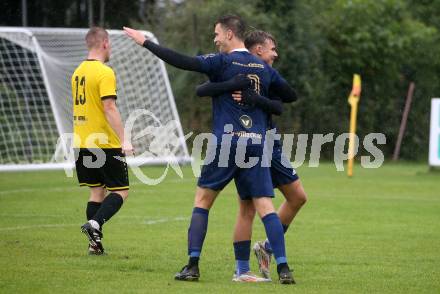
(434, 134)
(55, 162)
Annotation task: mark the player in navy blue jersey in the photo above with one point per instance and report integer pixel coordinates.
(233, 126)
(284, 177)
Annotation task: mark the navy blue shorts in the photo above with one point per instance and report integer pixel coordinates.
(252, 182)
(281, 170)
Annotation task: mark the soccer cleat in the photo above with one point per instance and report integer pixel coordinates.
(263, 257)
(94, 237)
(249, 277)
(188, 274)
(285, 275)
(93, 251)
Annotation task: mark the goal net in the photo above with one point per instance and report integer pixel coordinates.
(36, 65)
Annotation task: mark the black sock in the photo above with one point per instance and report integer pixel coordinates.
(109, 207)
(281, 266)
(92, 208)
(193, 261)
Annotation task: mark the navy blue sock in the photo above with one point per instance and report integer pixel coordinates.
(197, 231)
(275, 235)
(242, 251)
(267, 244)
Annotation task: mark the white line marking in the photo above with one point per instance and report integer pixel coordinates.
(73, 188)
(30, 215)
(38, 227)
(146, 222)
(164, 220)
(30, 190)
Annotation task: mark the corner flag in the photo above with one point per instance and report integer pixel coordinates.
(353, 100)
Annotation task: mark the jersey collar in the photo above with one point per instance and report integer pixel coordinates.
(239, 50)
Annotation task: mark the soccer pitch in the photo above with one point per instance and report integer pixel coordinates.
(378, 232)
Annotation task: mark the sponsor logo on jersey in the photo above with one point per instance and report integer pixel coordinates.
(246, 121)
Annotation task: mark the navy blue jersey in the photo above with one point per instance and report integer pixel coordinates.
(246, 121)
(271, 94)
(271, 123)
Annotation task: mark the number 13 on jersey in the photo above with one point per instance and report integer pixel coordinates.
(80, 90)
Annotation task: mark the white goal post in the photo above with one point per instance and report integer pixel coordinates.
(434, 135)
(36, 65)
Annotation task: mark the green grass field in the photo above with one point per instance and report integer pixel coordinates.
(378, 232)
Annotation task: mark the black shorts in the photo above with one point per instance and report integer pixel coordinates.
(110, 171)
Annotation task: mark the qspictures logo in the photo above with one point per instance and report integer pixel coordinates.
(164, 145)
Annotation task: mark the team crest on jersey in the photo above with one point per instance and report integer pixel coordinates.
(246, 121)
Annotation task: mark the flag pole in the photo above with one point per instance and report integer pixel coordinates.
(353, 100)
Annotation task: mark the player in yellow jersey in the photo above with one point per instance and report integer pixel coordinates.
(99, 143)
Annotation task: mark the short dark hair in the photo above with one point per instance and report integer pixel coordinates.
(234, 23)
(257, 38)
(95, 36)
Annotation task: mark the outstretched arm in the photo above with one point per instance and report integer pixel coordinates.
(281, 88)
(285, 92)
(250, 97)
(169, 56)
(238, 82)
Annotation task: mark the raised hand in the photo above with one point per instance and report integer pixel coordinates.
(137, 36)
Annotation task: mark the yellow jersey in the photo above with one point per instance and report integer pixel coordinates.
(93, 81)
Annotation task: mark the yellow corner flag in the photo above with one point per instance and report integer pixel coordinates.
(353, 100)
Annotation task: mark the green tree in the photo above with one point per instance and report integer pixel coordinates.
(321, 45)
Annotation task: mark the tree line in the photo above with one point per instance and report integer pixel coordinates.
(321, 44)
